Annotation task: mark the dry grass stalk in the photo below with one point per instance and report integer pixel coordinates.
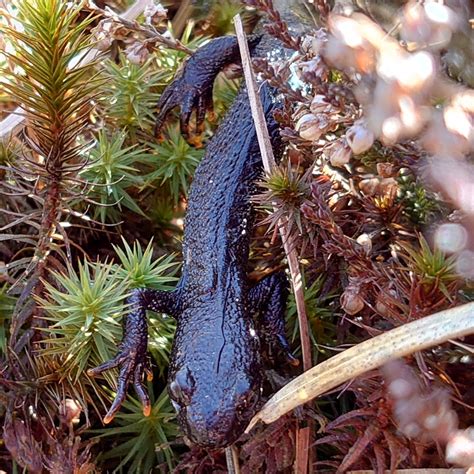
(371, 354)
(296, 278)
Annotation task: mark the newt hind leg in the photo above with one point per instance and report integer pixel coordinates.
(269, 297)
(131, 358)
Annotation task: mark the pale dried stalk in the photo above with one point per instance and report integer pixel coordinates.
(303, 454)
(13, 123)
(269, 164)
(368, 355)
(232, 460)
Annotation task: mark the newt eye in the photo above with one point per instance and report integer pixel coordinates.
(181, 388)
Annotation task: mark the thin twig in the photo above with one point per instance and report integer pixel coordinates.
(269, 165)
(291, 254)
(232, 460)
(152, 36)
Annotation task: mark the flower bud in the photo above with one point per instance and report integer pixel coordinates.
(385, 303)
(464, 99)
(103, 43)
(70, 411)
(449, 133)
(137, 53)
(365, 242)
(416, 71)
(451, 237)
(320, 105)
(339, 153)
(458, 121)
(430, 24)
(311, 127)
(359, 137)
(460, 448)
(351, 301)
(154, 13)
(103, 35)
(392, 128)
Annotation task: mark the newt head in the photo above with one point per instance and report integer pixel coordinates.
(216, 392)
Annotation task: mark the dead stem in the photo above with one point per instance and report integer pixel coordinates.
(182, 16)
(48, 224)
(232, 460)
(291, 254)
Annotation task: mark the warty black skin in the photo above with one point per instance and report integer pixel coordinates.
(215, 374)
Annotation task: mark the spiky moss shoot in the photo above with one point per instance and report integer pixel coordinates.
(370, 158)
(130, 95)
(84, 312)
(9, 152)
(55, 90)
(163, 214)
(322, 329)
(140, 270)
(224, 92)
(221, 18)
(433, 269)
(174, 162)
(147, 439)
(85, 309)
(286, 186)
(284, 190)
(112, 171)
(420, 205)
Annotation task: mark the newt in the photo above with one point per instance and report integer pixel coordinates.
(216, 374)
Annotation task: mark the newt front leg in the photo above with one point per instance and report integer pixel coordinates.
(192, 88)
(132, 356)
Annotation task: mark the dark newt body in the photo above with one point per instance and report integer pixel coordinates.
(216, 351)
(215, 374)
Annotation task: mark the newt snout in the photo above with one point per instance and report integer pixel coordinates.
(216, 390)
(215, 420)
